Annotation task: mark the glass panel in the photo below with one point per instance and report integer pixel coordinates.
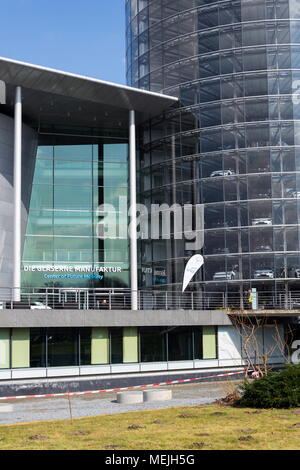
(43, 173)
(74, 249)
(214, 216)
(40, 222)
(72, 197)
(115, 153)
(73, 152)
(153, 344)
(73, 223)
(38, 249)
(62, 347)
(37, 347)
(116, 345)
(73, 173)
(215, 243)
(180, 344)
(45, 151)
(41, 196)
(85, 346)
(110, 174)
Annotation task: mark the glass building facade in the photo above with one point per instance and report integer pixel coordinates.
(233, 144)
(66, 347)
(76, 171)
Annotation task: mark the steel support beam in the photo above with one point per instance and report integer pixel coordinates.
(132, 212)
(17, 195)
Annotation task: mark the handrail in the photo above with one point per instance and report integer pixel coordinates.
(59, 298)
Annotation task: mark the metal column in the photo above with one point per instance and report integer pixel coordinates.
(132, 213)
(17, 195)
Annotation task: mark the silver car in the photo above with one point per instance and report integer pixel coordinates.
(264, 274)
(224, 276)
(262, 221)
(222, 173)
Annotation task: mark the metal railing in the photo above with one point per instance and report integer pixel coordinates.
(120, 299)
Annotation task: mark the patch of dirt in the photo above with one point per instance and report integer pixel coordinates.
(203, 434)
(256, 412)
(296, 425)
(185, 415)
(296, 412)
(79, 433)
(134, 426)
(158, 421)
(229, 400)
(246, 438)
(218, 413)
(198, 445)
(37, 437)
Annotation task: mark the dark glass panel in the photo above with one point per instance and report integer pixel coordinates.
(116, 345)
(214, 216)
(215, 270)
(153, 344)
(62, 347)
(85, 335)
(180, 344)
(37, 347)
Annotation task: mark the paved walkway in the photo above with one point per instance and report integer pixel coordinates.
(46, 409)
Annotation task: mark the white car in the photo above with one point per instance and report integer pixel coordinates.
(39, 306)
(224, 276)
(263, 248)
(264, 274)
(295, 194)
(222, 173)
(262, 221)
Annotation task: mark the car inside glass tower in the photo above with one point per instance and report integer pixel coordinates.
(232, 144)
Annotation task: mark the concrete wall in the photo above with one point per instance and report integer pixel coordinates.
(267, 340)
(7, 193)
(104, 318)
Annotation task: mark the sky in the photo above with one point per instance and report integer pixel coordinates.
(80, 36)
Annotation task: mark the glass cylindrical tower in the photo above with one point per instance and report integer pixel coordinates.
(233, 144)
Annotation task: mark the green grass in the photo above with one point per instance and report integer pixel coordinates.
(191, 428)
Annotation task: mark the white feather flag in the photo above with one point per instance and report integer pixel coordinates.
(193, 265)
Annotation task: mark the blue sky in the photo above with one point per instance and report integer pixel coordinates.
(79, 36)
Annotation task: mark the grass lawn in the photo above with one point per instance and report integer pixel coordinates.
(209, 427)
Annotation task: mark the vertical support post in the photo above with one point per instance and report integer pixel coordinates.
(17, 195)
(132, 213)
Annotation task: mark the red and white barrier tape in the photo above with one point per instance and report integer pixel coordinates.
(94, 392)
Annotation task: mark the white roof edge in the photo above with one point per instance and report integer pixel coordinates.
(90, 79)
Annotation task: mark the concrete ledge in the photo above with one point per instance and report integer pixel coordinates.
(109, 318)
(157, 395)
(126, 398)
(266, 313)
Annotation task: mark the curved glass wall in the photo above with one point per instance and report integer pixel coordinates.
(233, 144)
